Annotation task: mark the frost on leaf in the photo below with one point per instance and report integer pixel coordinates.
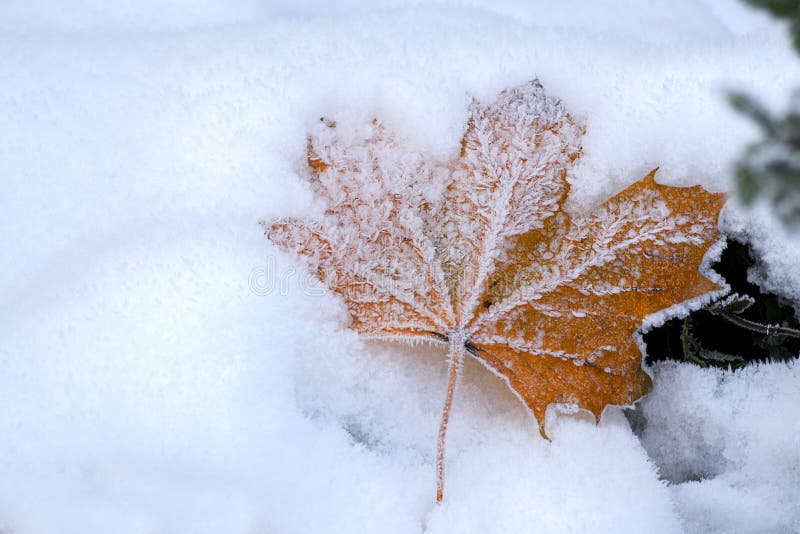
(480, 255)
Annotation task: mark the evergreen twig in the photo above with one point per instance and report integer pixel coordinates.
(690, 345)
(753, 326)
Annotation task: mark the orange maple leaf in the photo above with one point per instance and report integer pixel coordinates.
(480, 255)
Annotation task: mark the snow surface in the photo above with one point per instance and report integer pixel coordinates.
(736, 462)
(165, 371)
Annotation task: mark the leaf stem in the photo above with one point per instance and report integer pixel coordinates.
(455, 357)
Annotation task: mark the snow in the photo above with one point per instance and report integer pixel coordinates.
(164, 370)
(736, 463)
(775, 247)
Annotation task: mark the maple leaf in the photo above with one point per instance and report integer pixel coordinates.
(480, 254)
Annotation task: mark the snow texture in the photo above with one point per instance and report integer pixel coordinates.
(165, 371)
(735, 464)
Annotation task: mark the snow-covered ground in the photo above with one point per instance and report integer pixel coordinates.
(164, 370)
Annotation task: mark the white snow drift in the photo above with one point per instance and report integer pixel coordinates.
(163, 370)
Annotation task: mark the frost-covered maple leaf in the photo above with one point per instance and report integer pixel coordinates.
(480, 255)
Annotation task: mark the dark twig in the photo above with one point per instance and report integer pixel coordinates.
(753, 326)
